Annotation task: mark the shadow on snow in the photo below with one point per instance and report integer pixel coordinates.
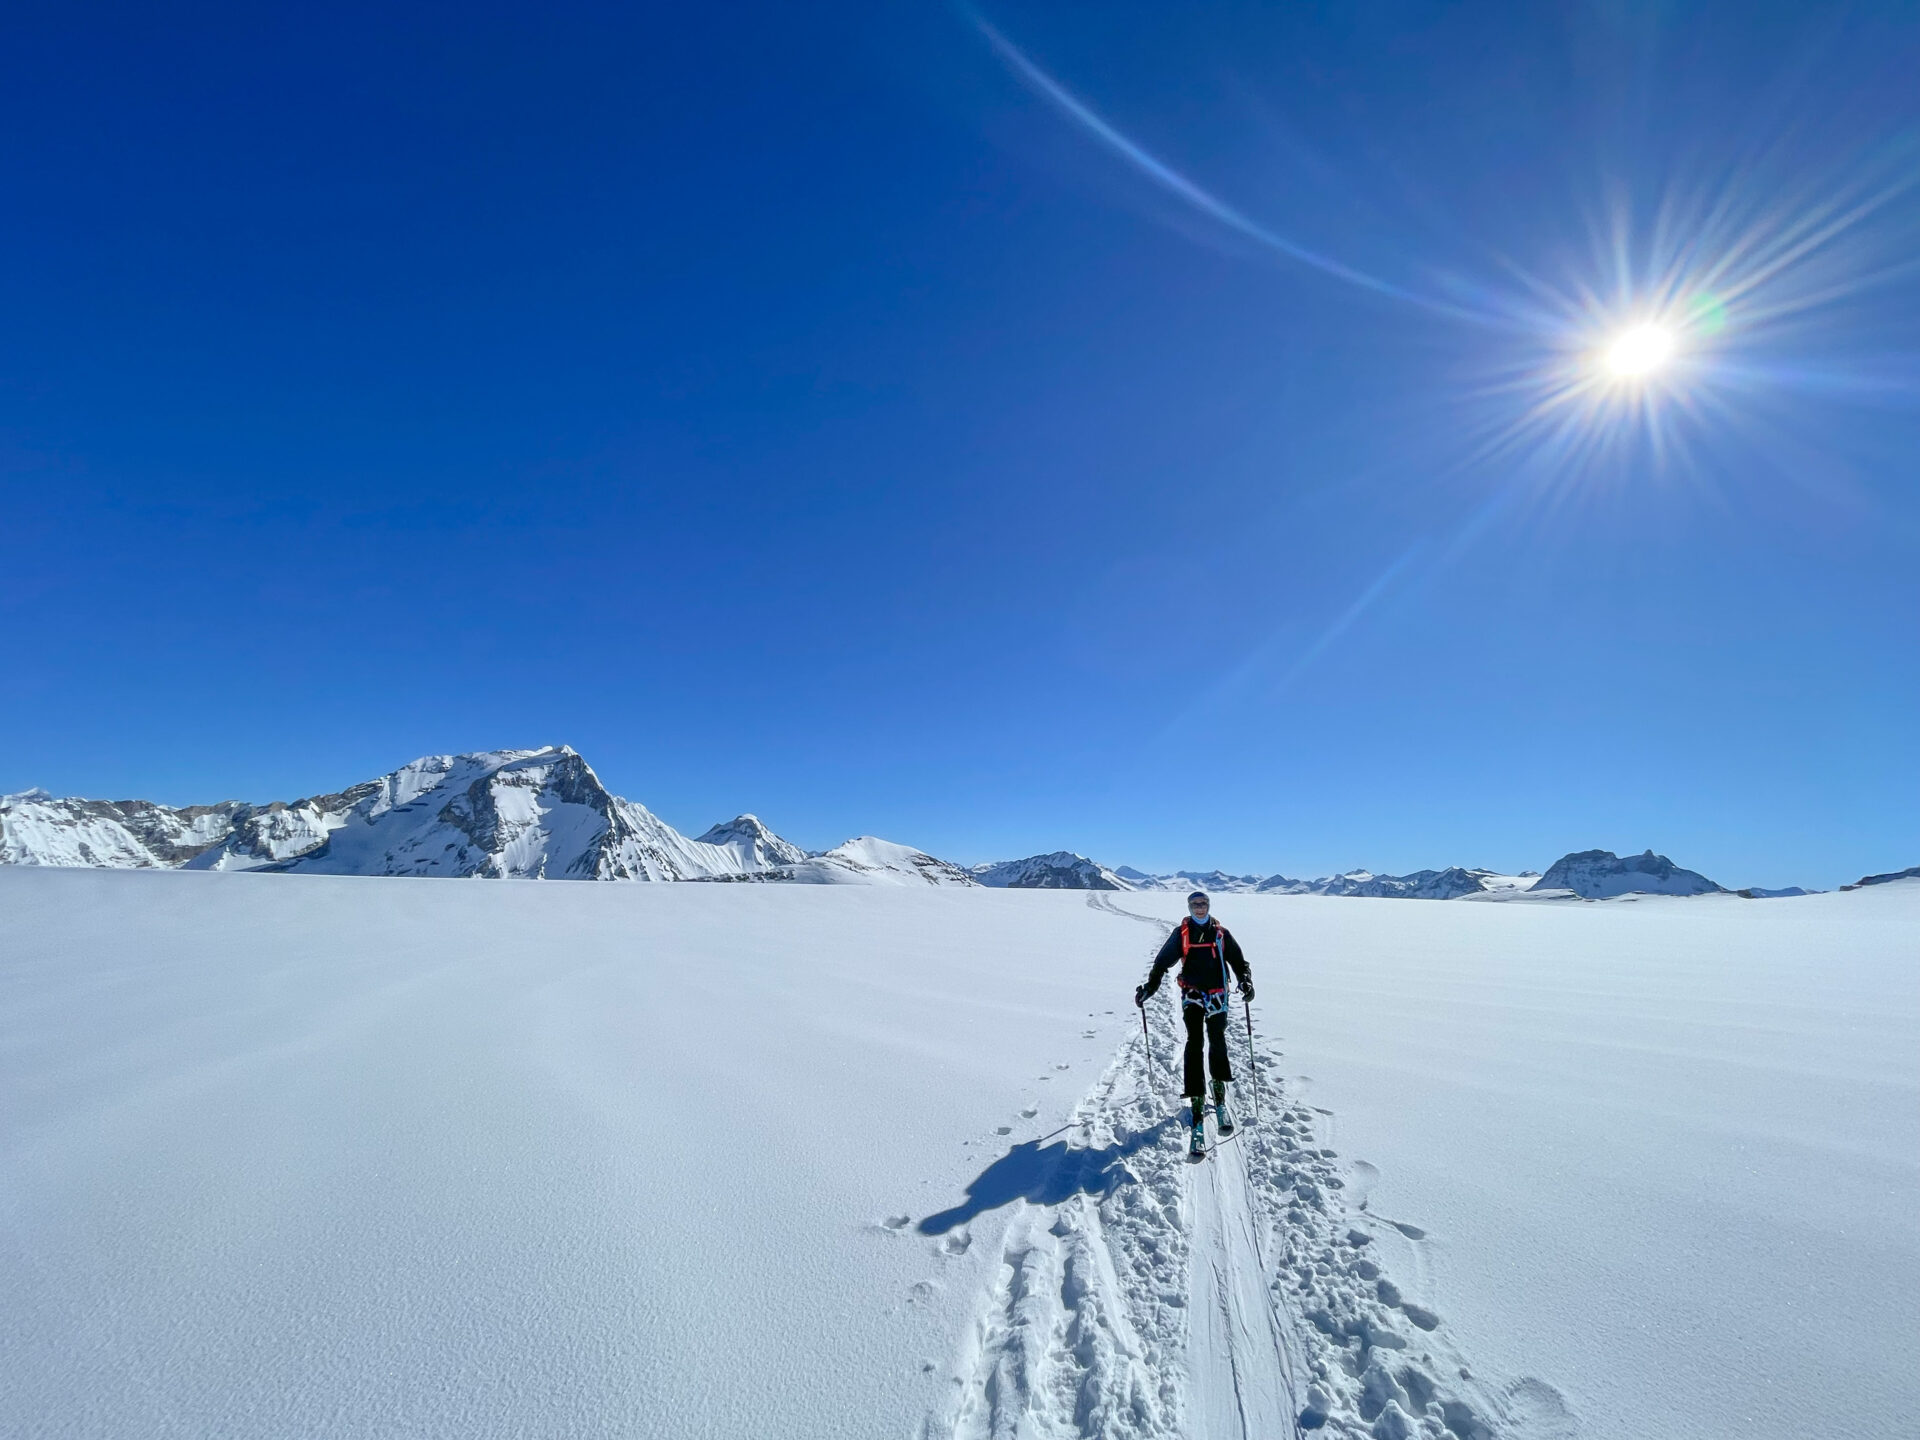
(1045, 1175)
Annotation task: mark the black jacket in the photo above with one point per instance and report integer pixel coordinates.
(1202, 969)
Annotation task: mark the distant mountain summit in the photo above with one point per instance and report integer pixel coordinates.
(1062, 870)
(869, 860)
(1453, 883)
(498, 814)
(1214, 882)
(1601, 875)
(1887, 879)
(757, 847)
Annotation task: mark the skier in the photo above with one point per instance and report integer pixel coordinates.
(1204, 949)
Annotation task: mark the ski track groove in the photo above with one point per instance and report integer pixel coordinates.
(1236, 1299)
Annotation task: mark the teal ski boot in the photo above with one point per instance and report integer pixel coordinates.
(1197, 1145)
(1221, 1113)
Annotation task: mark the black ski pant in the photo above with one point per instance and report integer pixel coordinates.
(1212, 1029)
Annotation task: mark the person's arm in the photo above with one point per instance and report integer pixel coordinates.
(1238, 961)
(1169, 952)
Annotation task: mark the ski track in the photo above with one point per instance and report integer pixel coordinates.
(1141, 1296)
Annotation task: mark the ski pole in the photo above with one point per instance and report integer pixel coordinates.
(1146, 1045)
(1253, 1057)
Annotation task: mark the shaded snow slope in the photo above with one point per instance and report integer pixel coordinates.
(1601, 875)
(1062, 870)
(340, 1158)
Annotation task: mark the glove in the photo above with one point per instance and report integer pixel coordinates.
(1246, 992)
(1140, 995)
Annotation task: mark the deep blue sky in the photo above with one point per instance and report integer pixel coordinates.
(799, 409)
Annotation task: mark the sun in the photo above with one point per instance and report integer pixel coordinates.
(1640, 351)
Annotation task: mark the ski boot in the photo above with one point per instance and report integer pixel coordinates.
(1197, 1145)
(1223, 1115)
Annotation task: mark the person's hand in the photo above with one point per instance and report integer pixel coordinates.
(1140, 996)
(1246, 992)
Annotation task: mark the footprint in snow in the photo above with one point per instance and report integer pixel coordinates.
(896, 1222)
(1003, 1129)
(1537, 1411)
(1030, 1112)
(1365, 1176)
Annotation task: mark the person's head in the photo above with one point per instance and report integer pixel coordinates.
(1198, 906)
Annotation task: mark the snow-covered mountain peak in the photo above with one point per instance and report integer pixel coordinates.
(1062, 870)
(867, 859)
(1601, 874)
(758, 847)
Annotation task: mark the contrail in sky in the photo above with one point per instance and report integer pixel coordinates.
(1173, 181)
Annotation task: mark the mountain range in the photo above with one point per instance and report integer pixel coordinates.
(544, 814)
(499, 814)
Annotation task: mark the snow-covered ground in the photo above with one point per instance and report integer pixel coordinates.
(344, 1156)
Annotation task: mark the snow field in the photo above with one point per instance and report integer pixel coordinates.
(340, 1156)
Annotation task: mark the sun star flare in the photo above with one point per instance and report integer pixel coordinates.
(1640, 351)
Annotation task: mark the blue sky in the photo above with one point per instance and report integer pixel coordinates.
(1171, 433)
